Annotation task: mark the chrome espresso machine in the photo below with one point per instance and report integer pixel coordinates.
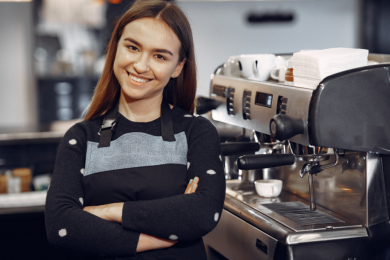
(331, 148)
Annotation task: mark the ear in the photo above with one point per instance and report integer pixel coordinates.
(178, 69)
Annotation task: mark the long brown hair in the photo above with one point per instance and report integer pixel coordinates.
(179, 91)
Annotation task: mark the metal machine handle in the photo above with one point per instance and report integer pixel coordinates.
(259, 161)
(239, 148)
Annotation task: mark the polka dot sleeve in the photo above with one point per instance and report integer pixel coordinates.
(67, 224)
(187, 216)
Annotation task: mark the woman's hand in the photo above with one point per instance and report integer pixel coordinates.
(147, 242)
(111, 212)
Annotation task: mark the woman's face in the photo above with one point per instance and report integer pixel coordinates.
(147, 57)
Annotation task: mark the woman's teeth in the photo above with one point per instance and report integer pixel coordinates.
(139, 79)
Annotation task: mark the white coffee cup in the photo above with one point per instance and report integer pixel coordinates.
(256, 66)
(231, 67)
(279, 72)
(268, 188)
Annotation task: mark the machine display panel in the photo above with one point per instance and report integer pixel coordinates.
(263, 99)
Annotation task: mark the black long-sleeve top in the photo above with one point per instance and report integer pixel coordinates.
(146, 173)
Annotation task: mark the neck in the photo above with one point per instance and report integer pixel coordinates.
(140, 110)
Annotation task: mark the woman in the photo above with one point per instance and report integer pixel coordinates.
(121, 190)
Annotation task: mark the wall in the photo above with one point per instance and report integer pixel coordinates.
(220, 29)
(17, 86)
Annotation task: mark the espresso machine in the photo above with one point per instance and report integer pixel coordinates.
(331, 148)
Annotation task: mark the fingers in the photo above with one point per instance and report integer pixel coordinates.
(188, 189)
(192, 186)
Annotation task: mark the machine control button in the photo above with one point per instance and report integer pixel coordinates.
(281, 106)
(230, 101)
(219, 91)
(246, 105)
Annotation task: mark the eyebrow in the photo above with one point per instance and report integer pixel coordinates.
(156, 50)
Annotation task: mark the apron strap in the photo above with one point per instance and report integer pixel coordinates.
(166, 123)
(108, 126)
(111, 118)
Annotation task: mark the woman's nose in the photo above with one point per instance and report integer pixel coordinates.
(141, 65)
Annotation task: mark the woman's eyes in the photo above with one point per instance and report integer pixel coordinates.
(133, 48)
(158, 56)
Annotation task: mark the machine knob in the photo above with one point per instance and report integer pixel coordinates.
(284, 127)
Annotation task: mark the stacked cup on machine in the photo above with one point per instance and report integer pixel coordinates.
(256, 66)
(311, 67)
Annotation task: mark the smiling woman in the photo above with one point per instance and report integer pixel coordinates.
(141, 177)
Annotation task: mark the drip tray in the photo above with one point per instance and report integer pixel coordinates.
(301, 214)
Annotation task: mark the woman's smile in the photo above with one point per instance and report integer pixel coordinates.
(138, 80)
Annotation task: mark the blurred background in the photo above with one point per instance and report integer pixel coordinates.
(52, 53)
